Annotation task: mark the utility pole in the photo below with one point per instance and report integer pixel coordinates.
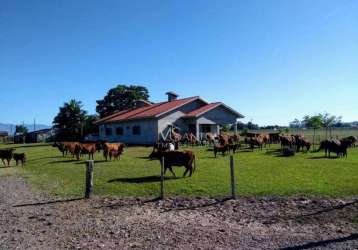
(23, 133)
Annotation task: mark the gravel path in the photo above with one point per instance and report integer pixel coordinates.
(30, 220)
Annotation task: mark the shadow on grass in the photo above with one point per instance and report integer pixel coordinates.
(273, 152)
(30, 145)
(144, 157)
(48, 157)
(144, 179)
(47, 202)
(323, 243)
(321, 157)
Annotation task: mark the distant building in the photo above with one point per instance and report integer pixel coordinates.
(43, 135)
(149, 122)
(3, 136)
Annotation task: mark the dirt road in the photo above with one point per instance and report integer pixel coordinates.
(30, 220)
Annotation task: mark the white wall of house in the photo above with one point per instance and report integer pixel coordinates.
(148, 131)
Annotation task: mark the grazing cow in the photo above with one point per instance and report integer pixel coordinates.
(301, 143)
(107, 147)
(6, 154)
(116, 154)
(224, 139)
(335, 146)
(265, 139)
(61, 146)
(20, 157)
(86, 148)
(287, 141)
(176, 158)
(221, 148)
(256, 141)
(73, 148)
(210, 138)
(274, 137)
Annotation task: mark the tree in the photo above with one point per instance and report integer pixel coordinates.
(295, 123)
(120, 98)
(89, 126)
(329, 121)
(21, 129)
(315, 122)
(70, 120)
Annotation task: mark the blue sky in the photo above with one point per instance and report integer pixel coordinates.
(273, 61)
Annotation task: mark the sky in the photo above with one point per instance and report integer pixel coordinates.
(271, 60)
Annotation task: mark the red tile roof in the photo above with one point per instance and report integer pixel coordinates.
(150, 111)
(203, 109)
(156, 109)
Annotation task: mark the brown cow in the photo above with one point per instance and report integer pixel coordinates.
(73, 147)
(221, 148)
(256, 141)
(108, 147)
(301, 143)
(116, 154)
(86, 148)
(287, 141)
(6, 154)
(210, 138)
(176, 158)
(20, 157)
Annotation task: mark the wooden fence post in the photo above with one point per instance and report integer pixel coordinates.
(89, 178)
(232, 174)
(162, 178)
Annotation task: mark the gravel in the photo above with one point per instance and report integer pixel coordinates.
(32, 220)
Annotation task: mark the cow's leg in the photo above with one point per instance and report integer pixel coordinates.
(186, 171)
(190, 170)
(171, 170)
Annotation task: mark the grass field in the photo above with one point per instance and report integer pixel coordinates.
(259, 173)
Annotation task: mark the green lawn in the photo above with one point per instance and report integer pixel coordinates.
(258, 173)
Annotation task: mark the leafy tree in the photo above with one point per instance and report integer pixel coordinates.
(225, 128)
(329, 121)
(120, 98)
(70, 120)
(89, 126)
(252, 126)
(315, 122)
(295, 123)
(21, 129)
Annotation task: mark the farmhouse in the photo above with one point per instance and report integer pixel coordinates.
(149, 122)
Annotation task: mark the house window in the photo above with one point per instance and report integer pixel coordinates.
(119, 131)
(108, 131)
(136, 130)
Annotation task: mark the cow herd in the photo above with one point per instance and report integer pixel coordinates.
(78, 149)
(225, 143)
